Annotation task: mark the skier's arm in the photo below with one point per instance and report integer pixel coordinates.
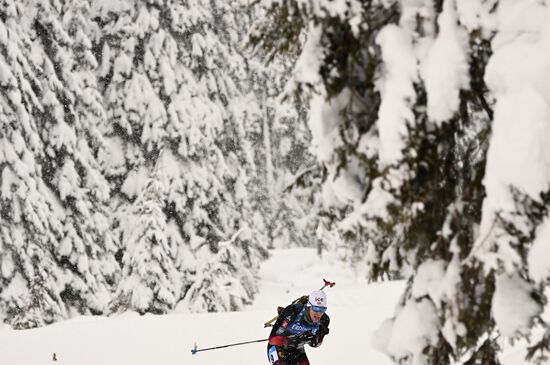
(277, 336)
(321, 332)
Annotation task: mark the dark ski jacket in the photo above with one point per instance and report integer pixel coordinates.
(292, 323)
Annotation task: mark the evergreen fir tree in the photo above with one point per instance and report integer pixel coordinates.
(415, 111)
(149, 278)
(278, 137)
(53, 196)
(87, 247)
(168, 80)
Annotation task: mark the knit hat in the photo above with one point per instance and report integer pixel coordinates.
(318, 298)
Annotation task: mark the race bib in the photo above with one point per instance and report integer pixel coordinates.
(273, 356)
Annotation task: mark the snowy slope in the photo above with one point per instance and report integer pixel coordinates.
(355, 307)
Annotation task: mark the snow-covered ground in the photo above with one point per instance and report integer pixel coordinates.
(356, 309)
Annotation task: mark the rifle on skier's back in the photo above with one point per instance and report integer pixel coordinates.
(301, 300)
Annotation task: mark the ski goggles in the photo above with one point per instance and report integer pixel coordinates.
(318, 309)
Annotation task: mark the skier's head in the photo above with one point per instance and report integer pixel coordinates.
(317, 304)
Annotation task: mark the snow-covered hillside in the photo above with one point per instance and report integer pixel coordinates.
(356, 309)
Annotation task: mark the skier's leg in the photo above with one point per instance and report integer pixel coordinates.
(302, 359)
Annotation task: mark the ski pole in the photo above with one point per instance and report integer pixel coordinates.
(272, 320)
(195, 350)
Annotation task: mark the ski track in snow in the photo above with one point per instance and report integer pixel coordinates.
(356, 309)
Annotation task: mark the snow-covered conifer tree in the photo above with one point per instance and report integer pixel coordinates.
(87, 247)
(220, 284)
(278, 137)
(150, 278)
(168, 82)
(429, 118)
(57, 254)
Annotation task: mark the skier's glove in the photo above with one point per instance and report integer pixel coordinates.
(313, 341)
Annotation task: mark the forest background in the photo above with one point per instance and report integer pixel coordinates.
(153, 151)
